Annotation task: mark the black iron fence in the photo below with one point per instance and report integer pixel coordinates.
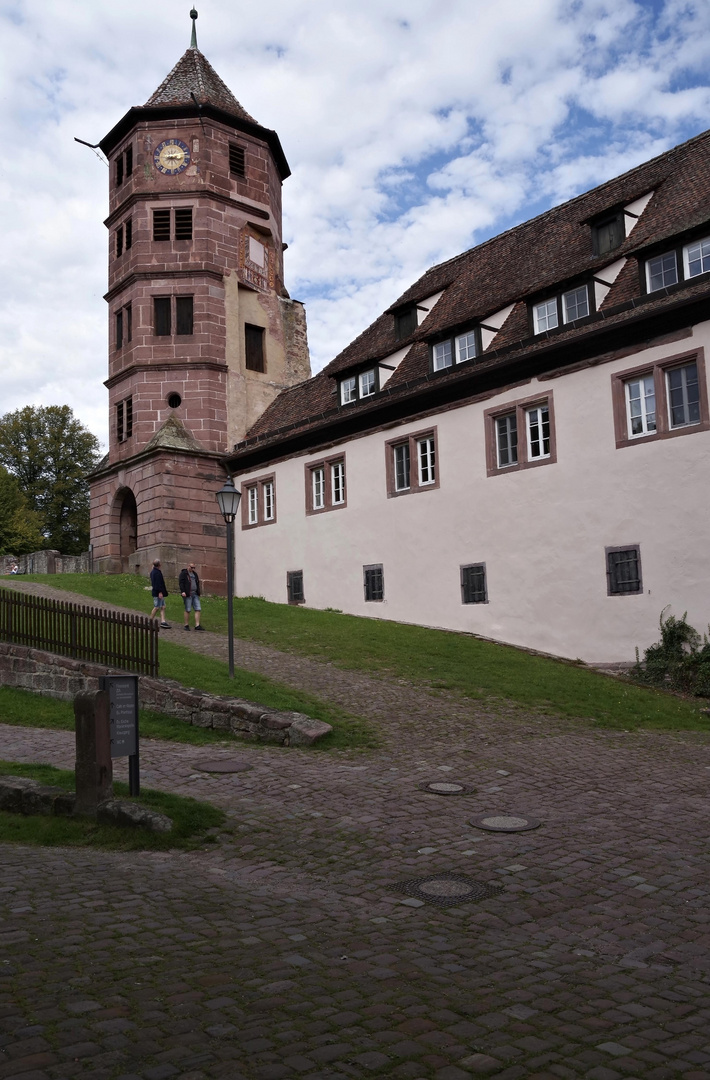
(127, 642)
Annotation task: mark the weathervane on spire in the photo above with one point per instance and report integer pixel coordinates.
(193, 39)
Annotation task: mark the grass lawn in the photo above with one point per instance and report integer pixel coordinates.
(191, 819)
(477, 669)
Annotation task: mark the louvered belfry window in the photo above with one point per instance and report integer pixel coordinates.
(237, 160)
(161, 224)
(183, 223)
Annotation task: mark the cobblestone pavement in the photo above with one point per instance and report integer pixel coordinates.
(282, 951)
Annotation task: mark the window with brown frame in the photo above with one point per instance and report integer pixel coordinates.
(661, 400)
(520, 435)
(412, 463)
(259, 502)
(325, 485)
(254, 357)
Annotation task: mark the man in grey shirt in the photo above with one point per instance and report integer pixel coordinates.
(189, 585)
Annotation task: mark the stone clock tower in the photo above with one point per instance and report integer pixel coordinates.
(202, 333)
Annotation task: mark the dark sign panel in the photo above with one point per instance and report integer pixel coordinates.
(123, 701)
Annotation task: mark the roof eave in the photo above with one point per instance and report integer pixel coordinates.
(139, 113)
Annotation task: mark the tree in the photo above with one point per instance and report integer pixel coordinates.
(51, 453)
(20, 527)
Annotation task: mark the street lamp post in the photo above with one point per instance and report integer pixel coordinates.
(228, 498)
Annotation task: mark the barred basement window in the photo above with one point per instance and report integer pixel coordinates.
(294, 587)
(161, 313)
(183, 314)
(623, 570)
(161, 224)
(237, 160)
(254, 348)
(374, 583)
(119, 241)
(183, 223)
(473, 584)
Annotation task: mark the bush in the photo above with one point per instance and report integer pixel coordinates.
(679, 661)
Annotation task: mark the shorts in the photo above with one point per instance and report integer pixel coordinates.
(192, 603)
(158, 601)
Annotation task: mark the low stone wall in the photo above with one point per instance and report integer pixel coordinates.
(46, 562)
(61, 677)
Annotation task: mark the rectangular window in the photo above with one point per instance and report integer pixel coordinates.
(405, 323)
(608, 235)
(662, 400)
(641, 405)
(183, 223)
(119, 329)
(124, 419)
(161, 224)
(520, 435)
(538, 426)
(120, 433)
(294, 587)
(473, 584)
(401, 467)
(237, 160)
(161, 316)
(545, 315)
(426, 457)
(337, 483)
(254, 348)
(368, 384)
(374, 582)
(348, 390)
(119, 170)
(575, 304)
(259, 502)
(466, 347)
(183, 314)
(129, 234)
(507, 440)
(325, 484)
(623, 570)
(318, 482)
(696, 258)
(128, 322)
(129, 417)
(442, 355)
(411, 463)
(662, 271)
(129, 160)
(119, 241)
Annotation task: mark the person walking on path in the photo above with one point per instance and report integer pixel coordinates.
(189, 585)
(157, 585)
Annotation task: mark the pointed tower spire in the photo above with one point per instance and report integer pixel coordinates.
(193, 39)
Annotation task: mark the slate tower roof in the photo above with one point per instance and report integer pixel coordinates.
(193, 74)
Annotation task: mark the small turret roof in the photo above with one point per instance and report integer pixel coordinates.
(193, 74)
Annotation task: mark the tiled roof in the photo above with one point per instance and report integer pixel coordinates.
(193, 74)
(537, 257)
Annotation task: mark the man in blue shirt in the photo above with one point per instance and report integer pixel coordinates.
(157, 585)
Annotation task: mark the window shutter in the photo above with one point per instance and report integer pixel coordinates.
(161, 224)
(237, 160)
(183, 223)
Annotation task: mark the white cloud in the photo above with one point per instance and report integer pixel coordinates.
(413, 130)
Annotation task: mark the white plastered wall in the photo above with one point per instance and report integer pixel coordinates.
(542, 532)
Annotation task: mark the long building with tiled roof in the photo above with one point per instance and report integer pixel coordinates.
(530, 395)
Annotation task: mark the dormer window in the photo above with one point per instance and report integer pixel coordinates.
(467, 346)
(608, 233)
(662, 271)
(405, 323)
(566, 307)
(355, 387)
(678, 264)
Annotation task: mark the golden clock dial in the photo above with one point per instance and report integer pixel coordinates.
(172, 156)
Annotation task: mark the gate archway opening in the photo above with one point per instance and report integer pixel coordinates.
(128, 528)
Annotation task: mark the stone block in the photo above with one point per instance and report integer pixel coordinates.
(304, 731)
(123, 812)
(12, 790)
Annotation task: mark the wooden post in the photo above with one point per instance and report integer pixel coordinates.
(94, 769)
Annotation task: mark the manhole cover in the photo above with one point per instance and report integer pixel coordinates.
(447, 889)
(224, 765)
(505, 823)
(446, 787)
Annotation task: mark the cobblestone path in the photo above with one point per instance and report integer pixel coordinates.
(282, 951)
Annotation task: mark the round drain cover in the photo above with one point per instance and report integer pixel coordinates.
(442, 887)
(446, 787)
(224, 765)
(505, 823)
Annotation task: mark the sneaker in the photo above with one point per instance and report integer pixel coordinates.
(165, 625)
(186, 627)
(199, 628)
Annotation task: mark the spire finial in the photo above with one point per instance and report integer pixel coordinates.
(193, 39)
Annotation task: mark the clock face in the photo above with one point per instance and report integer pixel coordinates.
(171, 157)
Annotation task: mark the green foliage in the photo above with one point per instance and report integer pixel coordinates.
(20, 527)
(51, 453)
(191, 819)
(459, 662)
(680, 660)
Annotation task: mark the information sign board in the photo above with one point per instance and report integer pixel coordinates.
(123, 705)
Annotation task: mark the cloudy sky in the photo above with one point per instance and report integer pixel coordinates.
(413, 129)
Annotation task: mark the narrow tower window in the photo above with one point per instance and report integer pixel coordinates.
(161, 308)
(237, 160)
(254, 347)
(183, 314)
(183, 223)
(161, 224)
